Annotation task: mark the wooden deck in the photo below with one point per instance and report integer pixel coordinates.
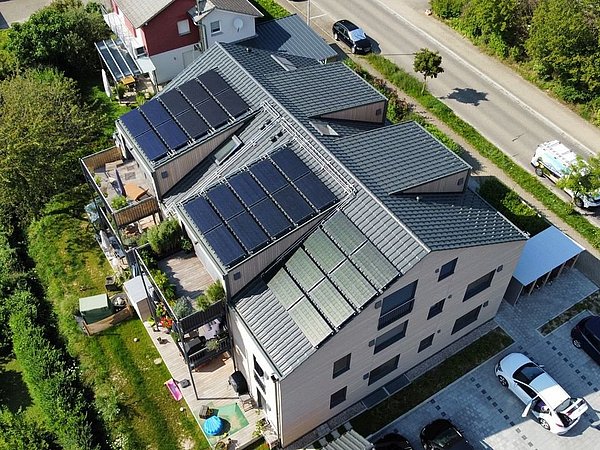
(212, 386)
(187, 273)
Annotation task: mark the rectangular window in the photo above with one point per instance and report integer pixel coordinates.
(397, 305)
(466, 320)
(183, 27)
(338, 397)
(479, 285)
(385, 369)
(425, 343)
(215, 27)
(341, 365)
(257, 368)
(447, 269)
(436, 309)
(389, 337)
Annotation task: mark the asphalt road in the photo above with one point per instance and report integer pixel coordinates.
(510, 112)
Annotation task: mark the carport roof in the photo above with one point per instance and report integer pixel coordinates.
(543, 252)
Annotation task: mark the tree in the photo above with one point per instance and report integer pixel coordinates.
(428, 63)
(44, 130)
(18, 432)
(582, 179)
(61, 35)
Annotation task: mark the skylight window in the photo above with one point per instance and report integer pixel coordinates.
(324, 129)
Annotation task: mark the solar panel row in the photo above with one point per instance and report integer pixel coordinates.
(182, 114)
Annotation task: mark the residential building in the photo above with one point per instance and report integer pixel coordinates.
(350, 249)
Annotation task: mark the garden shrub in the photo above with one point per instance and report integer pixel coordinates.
(164, 284)
(165, 237)
(447, 9)
(183, 308)
(203, 303)
(215, 292)
(118, 202)
(19, 432)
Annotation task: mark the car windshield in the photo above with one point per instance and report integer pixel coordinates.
(447, 437)
(565, 405)
(357, 35)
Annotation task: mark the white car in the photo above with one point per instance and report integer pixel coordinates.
(554, 409)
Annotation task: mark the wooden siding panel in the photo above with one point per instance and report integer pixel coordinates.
(300, 396)
(365, 113)
(447, 184)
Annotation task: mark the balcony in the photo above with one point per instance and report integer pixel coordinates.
(109, 174)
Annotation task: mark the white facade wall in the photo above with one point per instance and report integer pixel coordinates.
(305, 393)
(228, 31)
(171, 63)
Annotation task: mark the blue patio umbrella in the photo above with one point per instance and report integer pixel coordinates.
(119, 187)
(213, 426)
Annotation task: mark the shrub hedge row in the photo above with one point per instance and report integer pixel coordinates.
(51, 375)
(412, 87)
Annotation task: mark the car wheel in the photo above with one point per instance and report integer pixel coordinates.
(502, 381)
(578, 202)
(544, 424)
(539, 172)
(335, 36)
(576, 343)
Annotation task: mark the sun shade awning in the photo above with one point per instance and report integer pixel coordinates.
(543, 252)
(119, 62)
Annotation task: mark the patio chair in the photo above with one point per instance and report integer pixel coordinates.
(205, 412)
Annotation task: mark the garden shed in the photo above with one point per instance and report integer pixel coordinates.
(544, 257)
(95, 308)
(139, 295)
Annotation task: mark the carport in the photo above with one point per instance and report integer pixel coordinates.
(544, 257)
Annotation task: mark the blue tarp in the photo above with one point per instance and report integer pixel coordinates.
(213, 426)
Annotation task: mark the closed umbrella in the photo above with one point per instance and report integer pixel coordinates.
(119, 187)
(213, 426)
(104, 242)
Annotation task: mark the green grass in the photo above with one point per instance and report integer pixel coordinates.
(412, 87)
(270, 9)
(13, 390)
(590, 303)
(431, 382)
(128, 386)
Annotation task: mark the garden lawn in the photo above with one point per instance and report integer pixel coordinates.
(129, 393)
(431, 382)
(270, 9)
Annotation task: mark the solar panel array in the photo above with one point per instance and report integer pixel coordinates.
(335, 272)
(168, 122)
(254, 207)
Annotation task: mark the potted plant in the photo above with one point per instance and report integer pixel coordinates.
(213, 345)
(167, 323)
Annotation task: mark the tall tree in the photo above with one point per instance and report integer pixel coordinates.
(429, 64)
(61, 35)
(583, 178)
(43, 131)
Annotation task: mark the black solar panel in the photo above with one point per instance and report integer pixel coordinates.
(175, 102)
(212, 112)
(193, 124)
(202, 214)
(248, 232)
(155, 112)
(135, 122)
(232, 102)
(194, 92)
(224, 201)
(271, 218)
(225, 246)
(213, 82)
(293, 204)
(247, 188)
(289, 163)
(172, 135)
(268, 175)
(315, 191)
(151, 145)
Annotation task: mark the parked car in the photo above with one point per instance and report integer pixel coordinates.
(554, 409)
(393, 441)
(441, 434)
(352, 35)
(586, 335)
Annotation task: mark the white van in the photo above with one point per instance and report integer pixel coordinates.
(553, 159)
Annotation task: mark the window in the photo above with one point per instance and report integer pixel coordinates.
(447, 269)
(341, 365)
(338, 397)
(436, 309)
(257, 368)
(389, 337)
(386, 368)
(183, 27)
(215, 27)
(466, 320)
(397, 305)
(479, 285)
(425, 343)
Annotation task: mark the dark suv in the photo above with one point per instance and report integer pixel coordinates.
(586, 335)
(353, 36)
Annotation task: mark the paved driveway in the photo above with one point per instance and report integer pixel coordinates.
(489, 414)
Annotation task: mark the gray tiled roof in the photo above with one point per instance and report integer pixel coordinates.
(141, 11)
(238, 6)
(290, 35)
